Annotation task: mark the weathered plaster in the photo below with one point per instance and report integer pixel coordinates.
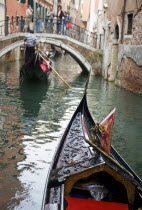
(131, 51)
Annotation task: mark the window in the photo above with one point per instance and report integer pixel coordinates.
(7, 25)
(130, 23)
(22, 1)
(31, 3)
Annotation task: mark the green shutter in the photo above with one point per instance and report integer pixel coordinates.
(30, 2)
(23, 1)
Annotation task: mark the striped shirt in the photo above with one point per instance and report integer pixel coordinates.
(30, 40)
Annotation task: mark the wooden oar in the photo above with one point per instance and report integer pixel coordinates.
(108, 156)
(44, 54)
(55, 71)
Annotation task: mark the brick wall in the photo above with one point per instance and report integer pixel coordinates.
(131, 75)
(14, 8)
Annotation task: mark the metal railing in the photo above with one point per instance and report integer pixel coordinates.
(51, 26)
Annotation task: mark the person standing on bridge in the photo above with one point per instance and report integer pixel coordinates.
(66, 20)
(29, 13)
(60, 15)
(30, 42)
(38, 20)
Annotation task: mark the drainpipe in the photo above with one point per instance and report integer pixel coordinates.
(123, 19)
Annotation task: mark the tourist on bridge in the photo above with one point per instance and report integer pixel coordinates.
(30, 42)
(29, 13)
(60, 15)
(66, 20)
(49, 20)
(38, 20)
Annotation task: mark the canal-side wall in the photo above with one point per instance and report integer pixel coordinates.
(129, 68)
(122, 60)
(122, 64)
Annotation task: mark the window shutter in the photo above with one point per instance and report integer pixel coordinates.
(30, 2)
(23, 1)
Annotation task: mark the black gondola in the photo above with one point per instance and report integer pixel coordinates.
(35, 69)
(83, 176)
(59, 52)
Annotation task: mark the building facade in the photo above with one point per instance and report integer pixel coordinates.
(2, 17)
(118, 28)
(15, 14)
(122, 44)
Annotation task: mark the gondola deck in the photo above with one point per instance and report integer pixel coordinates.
(82, 170)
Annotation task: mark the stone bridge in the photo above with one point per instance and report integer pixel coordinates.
(89, 58)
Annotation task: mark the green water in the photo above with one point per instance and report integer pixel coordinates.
(34, 117)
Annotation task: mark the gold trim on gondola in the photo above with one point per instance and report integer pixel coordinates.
(130, 188)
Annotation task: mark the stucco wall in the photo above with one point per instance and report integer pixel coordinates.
(136, 38)
(115, 10)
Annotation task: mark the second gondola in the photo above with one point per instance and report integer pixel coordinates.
(35, 69)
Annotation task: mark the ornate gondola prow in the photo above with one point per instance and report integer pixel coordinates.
(95, 133)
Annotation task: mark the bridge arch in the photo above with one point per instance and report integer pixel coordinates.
(49, 40)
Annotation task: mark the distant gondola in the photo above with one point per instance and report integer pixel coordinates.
(35, 69)
(83, 176)
(59, 52)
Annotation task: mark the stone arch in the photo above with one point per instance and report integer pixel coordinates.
(86, 67)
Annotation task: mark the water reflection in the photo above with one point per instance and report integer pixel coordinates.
(34, 117)
(42, 111)
(31, 95)
(11, 134)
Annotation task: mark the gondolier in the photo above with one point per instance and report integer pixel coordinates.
(30, 41)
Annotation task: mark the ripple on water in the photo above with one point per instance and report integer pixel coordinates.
(34, 117)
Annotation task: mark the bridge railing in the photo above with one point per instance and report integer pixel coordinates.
(51, 26)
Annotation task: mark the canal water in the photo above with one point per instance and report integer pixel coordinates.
(33, 118)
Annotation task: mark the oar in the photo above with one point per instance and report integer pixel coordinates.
(55, 71)
(108, 156)
(44, 54)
